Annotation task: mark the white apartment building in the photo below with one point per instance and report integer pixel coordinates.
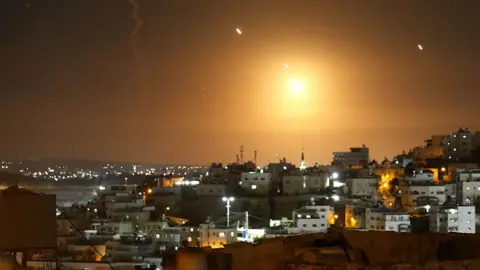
(466, 174)
(420, 176)
(421, 194)
(211, 190)
(356, 156)
(468, 192)
(458, 145)
(363, 187)
(317, 182)
(385, 219)
(211, 236)
(121, 200)
(457, 219)
(303, 184)
(312, 219)
(256, 182)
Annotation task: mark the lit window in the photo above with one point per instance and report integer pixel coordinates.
(464, 136)
(454, 149)
(158, 235)
(189, 239)
(232, 234)
(254, 186)
(221, 234)
(308, 216)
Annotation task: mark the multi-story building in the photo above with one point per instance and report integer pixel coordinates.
(432, 149)
(303, 184)
(421, 194)
(215, 237)
(420, 176)
(217, 190)
(468, 192)
(385, 219)
(355, 213)
(355, 157)
(458, 146)
(256, 182)
(456, 219)
(363, 187)
(312, 218)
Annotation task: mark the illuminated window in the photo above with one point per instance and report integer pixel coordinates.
(221, 234)
(254, 186)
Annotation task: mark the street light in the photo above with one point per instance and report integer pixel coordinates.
(228, 200)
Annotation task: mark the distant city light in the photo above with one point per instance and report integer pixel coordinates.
(335, 175)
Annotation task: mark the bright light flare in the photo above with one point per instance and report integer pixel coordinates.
(420, 47)
(286, 65)
(239, 31)
(296, 86)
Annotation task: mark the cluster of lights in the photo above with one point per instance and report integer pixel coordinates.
(187, 183)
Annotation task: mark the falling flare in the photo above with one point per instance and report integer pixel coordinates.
(286, 65)
(420, 47)
(239, 31)
(138, 24)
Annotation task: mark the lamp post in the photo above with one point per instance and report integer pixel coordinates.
(228, 200)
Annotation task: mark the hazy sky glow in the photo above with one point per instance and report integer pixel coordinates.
(71, 86)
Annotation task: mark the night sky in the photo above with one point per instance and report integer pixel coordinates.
(72, 87)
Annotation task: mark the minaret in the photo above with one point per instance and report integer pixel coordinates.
(303, 165)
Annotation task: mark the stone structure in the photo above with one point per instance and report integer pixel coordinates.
(349, 250)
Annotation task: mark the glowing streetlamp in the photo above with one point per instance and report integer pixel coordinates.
(228, 200)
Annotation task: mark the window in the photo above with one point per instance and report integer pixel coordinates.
(391, 227)
(314, 225)
(304, 225)
(221, 234)
(254, 186)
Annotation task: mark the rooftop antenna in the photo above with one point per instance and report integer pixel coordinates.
(238, 159)
(255, 157)
(241, 154)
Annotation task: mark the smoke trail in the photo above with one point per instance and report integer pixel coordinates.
(138, 24)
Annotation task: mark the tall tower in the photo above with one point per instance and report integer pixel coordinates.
(303, 164)
(241, 155)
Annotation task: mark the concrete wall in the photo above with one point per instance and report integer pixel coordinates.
(353, 250)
